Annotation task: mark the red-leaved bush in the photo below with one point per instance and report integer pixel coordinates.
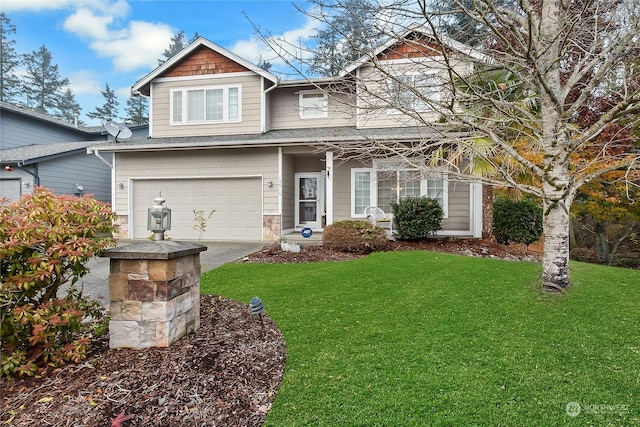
(46, 241)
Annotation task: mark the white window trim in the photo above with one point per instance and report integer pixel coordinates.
(445, 191)
(372, 190)
(320, 113)
(394, 81)
(225, 104)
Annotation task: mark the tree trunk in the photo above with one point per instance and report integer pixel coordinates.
(555, 259)
(602, 242)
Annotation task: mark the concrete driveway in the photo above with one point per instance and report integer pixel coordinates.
(95, 285)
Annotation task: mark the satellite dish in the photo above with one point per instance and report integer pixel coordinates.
(117, 130)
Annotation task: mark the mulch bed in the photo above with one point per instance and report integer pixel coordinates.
(463, 246)
(226, 374)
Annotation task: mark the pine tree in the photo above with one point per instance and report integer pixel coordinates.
(68, 108)
(264, 64)
(42, 85)
(9, 60)
(109, 110)
(347, 35)
(137, 111)
(178, 42)
(459, 25)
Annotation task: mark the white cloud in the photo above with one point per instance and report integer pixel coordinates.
(123, 93)
(136, 44)
(85, 23)
(35, 5)
(85, 82)
(288, 45)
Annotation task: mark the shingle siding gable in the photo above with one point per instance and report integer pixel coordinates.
(416, 47)
(204, 61)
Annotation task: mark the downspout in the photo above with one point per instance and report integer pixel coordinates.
(109, 165)
(264, 97)
(36, 177)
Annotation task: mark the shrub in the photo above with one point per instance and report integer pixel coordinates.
(417, 218)
(516, 221)
(46, 242)
(354, 236)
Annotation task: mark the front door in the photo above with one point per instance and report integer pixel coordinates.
(308, 200)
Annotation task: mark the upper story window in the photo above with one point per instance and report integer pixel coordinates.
(313, 105)
(414, 91)
(214, 104)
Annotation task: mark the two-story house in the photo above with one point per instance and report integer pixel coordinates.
(225, 135)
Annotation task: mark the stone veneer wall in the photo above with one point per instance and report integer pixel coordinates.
(271, 228)
(154, 302)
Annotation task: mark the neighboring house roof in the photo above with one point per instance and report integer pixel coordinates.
(41, 152)
(201, 41)
(320, 81)
(448, 42)
(28, 112)
(308, 136)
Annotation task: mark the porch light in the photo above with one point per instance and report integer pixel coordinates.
(159, 218)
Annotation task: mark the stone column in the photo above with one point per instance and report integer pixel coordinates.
(154, 288)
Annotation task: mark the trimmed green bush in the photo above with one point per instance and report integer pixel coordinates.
(516, 221)
(354, 236)
(417, 218)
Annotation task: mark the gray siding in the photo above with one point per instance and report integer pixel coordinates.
(288, 193)
(459, 199)
(61, 175)
(17, 130)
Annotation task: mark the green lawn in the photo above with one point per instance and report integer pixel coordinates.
(419, 338)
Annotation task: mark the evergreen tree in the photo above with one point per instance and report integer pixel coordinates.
(42, 85)
(109, 110)
(137, 111)
(68, 108)
(9, 60)
(349, 33)
(178, 42)
(264, 64)
(459, 25)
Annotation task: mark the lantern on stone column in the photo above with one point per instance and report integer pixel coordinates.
(159, 218)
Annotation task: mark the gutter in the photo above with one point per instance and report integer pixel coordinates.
(36, 178)
(97, 154)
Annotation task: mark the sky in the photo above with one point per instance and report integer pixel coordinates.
(117, 42)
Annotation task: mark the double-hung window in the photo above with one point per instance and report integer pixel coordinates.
(414, 91)
(214, 104)
(383, 187)
(313, 104)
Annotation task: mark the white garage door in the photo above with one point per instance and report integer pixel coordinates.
(237, 203)
(10, 188)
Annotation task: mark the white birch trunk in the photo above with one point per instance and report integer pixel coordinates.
(555, 259)
(555, 141)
